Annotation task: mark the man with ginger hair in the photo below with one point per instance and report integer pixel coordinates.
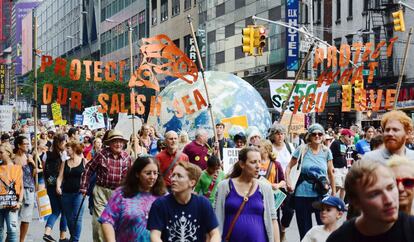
(397, 127)
(372, 189)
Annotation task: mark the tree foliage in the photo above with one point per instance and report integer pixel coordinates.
(89, 89)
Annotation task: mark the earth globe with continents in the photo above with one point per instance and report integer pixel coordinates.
(230, 96)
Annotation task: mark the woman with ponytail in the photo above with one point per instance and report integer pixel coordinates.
(245, 206)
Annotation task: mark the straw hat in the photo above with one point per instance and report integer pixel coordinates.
(114, 135)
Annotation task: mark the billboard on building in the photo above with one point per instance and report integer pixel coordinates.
(27, 43)
(2, 78)
(292, 36)
(20, 11)
(1, 21)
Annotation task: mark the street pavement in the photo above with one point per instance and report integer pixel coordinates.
(36, 229)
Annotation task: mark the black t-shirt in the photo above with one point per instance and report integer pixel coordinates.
(177, 222)
(223, 143)
(338, 149)
(398, 233)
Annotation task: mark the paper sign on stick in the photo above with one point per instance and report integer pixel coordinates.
(230, 157)
(93, 118)
(43, 203)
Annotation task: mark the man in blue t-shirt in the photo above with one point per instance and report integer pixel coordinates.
(363, 146)
(183, 216)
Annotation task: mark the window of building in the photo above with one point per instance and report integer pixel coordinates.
(275, 13)
(338, 10)
(240, 4)
(187, 4)
(238, 52)
(366, 5)
(350, 6)
(164, 10)
(229, 30)
(211, 36)
(318, 11)
(220, 57)
(175, 7)
(154, 12)
(141, 23)
(220, 10)
(177, 42)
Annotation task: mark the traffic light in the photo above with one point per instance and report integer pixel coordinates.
(259, 39)
(399, 24)
(248, 40)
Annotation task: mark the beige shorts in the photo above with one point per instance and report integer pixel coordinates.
(340, 174)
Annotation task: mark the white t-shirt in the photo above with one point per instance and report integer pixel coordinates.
(283, 156)
(316, 234)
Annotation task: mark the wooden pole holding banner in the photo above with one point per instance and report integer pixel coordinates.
(402, 71)
(200, 62)
(131, 71)
(305, 60)
(34, 67)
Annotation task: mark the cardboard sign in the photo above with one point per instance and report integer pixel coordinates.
(230, 157)
(43, 203)
(298, 122)
(124, 125)
(6, 118)
(236, 120)
(93, 118)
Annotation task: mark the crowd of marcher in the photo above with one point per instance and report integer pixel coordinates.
(167, 187)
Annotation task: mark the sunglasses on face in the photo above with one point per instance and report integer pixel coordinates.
(407, 182)
(317, 134)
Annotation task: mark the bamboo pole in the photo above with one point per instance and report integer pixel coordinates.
(131, 71)
(200, 62)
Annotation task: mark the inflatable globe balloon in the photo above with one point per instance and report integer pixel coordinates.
(229, 94)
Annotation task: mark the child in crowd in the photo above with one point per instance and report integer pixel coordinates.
(211, 176)
(331, 210)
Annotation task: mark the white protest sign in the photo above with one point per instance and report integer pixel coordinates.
(230, 157)
(93, 118)
(6, 118)
(124, 125)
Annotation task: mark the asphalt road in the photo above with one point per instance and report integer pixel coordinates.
(36, 229)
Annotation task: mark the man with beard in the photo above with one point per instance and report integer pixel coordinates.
(397, 127)
(372, 189)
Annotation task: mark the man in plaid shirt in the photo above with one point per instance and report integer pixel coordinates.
(110, 166)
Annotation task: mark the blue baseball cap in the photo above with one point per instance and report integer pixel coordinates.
(330, 201)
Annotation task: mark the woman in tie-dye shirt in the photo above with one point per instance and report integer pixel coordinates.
(125, 216)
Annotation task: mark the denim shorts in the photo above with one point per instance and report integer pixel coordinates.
(26, 210)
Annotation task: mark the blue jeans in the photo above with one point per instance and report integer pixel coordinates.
(11, 218)
(55, 203)
(304, 210)
(72, 202)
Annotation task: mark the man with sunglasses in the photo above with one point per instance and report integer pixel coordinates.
(339, 149)
(371, 188)
(404, 172)
(397, 127)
